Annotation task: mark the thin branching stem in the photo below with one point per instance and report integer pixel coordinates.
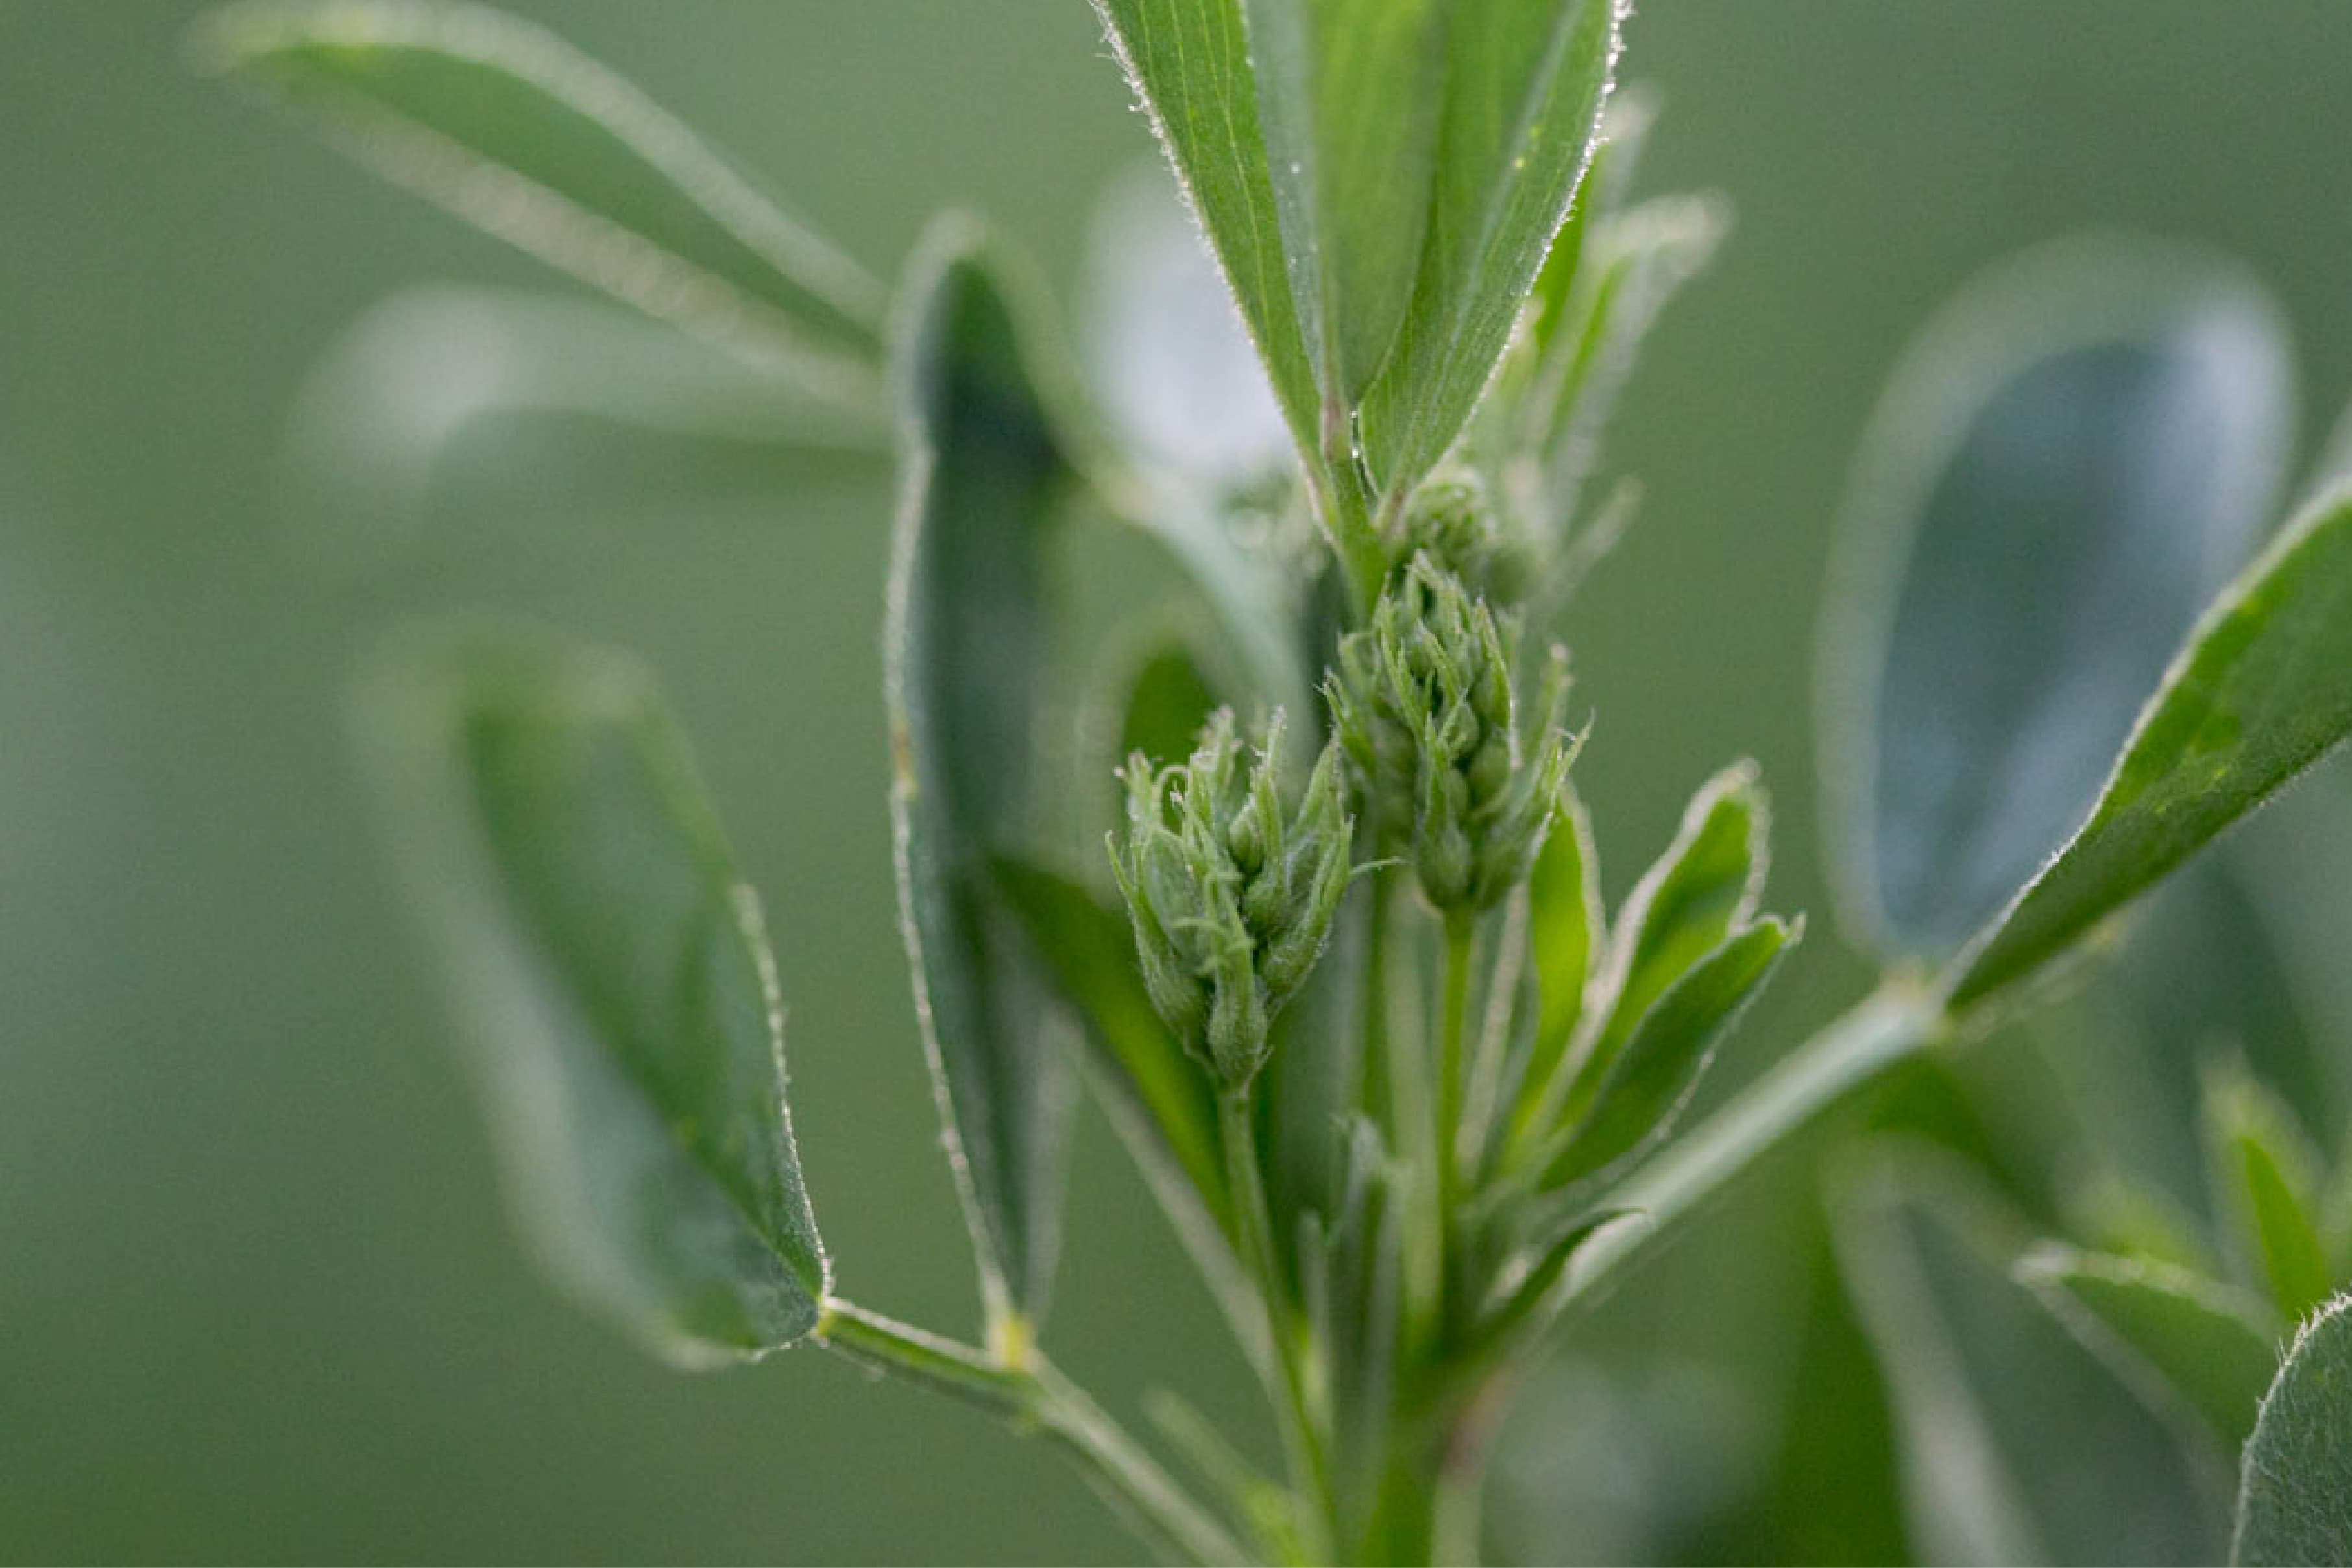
(1034, 1396)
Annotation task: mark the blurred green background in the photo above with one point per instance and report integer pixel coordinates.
(256, 1301)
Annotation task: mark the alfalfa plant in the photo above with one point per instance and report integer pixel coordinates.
(1343, 979)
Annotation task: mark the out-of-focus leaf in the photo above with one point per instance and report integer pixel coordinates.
(1633, 267)
(2265, 1179)
(1525, 82)
(2261, 692)
(2018, 1445)
(417, 374)
(1189, 63)
(2213, 1344)
(2068, 461)
(1355, 1298)
(612, 971)
(1168, 701)
(1636, 1101)
(1172, 365)
(516, 131)
(1090, 952)
(1347, 98)
(983, 473)
(2294, 1504)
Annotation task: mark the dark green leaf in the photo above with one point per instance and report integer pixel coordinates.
(2294, 1506)
(1648, 1081)
(514, 131)
(1525, 82)
(2261, 691)
(2069, 459)
(1090, 952)
(965, 641)
(1188, 61)
(1347, 96)
(2214, 1344)
(612, 969)
(2265, 1179)
(1168, 701)
(2017, 1445)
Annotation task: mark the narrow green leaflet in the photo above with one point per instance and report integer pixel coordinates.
(1090, 951)
(1635, 1104)
(514, 131)
(2295, 1503)
(612, 970)
(2261, 691)
(1524, 83)
(1566, 928)
(1347, 95)
(2214, 1344)
(1189, 63)
(1697, 893)
(2070, 459)
(965, 641)
(2018, 1444)
(2265, 1185)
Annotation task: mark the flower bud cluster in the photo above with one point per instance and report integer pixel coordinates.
(1232, 897)
(1424, 703)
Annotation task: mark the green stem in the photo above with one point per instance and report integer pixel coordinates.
(1035, 1397)
(1461, 926)
(1379, 1096)
(1291, 1395)
(1355, 534)
(1886, 1028)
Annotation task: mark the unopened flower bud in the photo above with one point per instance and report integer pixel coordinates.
(1232, 897)
(1423, 703)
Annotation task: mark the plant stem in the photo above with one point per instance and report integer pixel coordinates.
(1293, 1403)
(1884, 1028)
(1379, 1093)
(1035, 1397)
(1461, 926)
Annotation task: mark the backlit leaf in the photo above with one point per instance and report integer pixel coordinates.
(2069, 460)
(2261, 691)
(516, 131)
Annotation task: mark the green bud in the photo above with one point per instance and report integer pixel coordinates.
(1423, 705)
(1232, 896)
(1451, 519)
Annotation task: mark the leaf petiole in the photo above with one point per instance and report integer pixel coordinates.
(1035, 1397)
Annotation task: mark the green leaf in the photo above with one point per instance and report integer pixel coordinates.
(1089, 951)
(2018, 1444)
(2266, 1187)
(965, 641)
(2294, 1505)
(1188, 61)
(2069, 459)
(2261, 691)
(1525, 82)
(422, 373)
(611, 969)
(2213, 1344)
(1168, 701)
(514, 131)
(1347, 95)
(1696, 893)
(1648, 1083)
(1566, 927)
(1633, 265)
